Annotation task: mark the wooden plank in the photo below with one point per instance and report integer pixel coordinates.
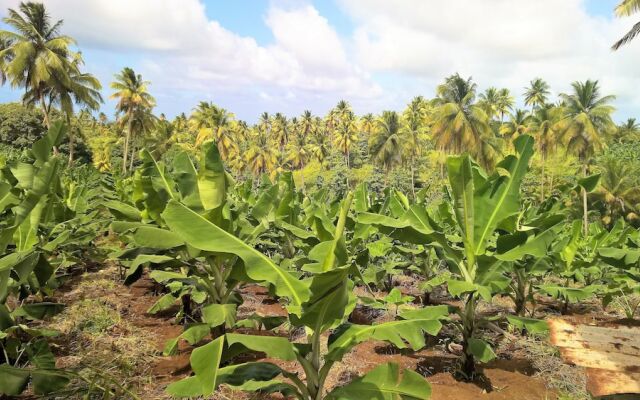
(601, 359)
(604, 383)
(610, 354)
(619, 339)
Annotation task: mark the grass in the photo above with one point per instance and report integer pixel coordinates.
(569, 381)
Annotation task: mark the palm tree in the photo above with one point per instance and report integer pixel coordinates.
(517, 125)
(625, 9)
(543, 121)
(320, 147)
(260, 157)
(505, 102)
(82, 89)
(618, 190)
(413, 129)
(35, 53)
(629, 130)
(280, 131)
(134, 101)
(536, 94)
(367, 124)
(346, 134)
(385, 144)
(489, 101)
(584, 127)
(211, 121)
(460, 124)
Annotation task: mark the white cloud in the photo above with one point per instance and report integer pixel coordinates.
(175, 45)
(499, 42)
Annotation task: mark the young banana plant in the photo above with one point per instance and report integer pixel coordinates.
(319, 303)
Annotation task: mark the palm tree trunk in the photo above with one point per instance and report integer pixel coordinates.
(542, 178)
(413, 185)
(71, 140)
(127, 138)
(46, 121)
(133, 154)
(585, 218)
(348, 167)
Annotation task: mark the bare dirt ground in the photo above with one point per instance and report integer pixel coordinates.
(106, 327)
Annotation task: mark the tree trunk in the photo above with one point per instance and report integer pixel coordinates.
(348, 168)
(126, 145)
(133, 154)
(413, 185)
(585, 217)
(71, 140)
(542, 184)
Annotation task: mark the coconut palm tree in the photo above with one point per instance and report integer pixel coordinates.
(585, 126)
(280, 131)
(134, 102)
(542, 126)
(81, 88)
(625, 9)
(629, 130)
(413, 130)
(460, 124)
(517, 125)
(367, 124)
(505, 103)
(385, 143)
(260, 157)
(213, 122)
(489, 101)
(536, 94)
(35, 52)
(618, 191)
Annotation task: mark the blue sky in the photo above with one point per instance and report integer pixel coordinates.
(291, 55)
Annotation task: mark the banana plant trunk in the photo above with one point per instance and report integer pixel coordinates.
(468, 366)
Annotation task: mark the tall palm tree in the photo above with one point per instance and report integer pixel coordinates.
(585, 126)
(134, 101)
(213, 122)
(82, 88)
(385, 144)
(542, 126)
(320, 147)
(489, 101)
(624, 9)
(629, 130)
(35, 52)
(517, 125)
(414, 127)
(367, 124)
(280, 131)
(536, 94)
(618, 189)
(460, 124)
(345, 135)
(260, 157)
(505, 102)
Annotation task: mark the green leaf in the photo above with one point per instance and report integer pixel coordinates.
(384, 383)
(481, 350)
(38, 311)
(41, 149)
(481, 203)
(193, 334)
(589, 183)
(272, 346)
(202, 234)
(410, 331)
(212, 184)
(218, 314)
(163, 303)
(205, 361)
(531, 325)
(13, 380)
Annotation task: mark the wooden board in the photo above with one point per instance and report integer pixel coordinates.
(610, 354)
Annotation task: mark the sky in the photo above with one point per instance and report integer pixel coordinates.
(286, 56)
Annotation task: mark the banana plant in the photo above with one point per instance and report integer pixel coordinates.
(319, 303)
(30, 198)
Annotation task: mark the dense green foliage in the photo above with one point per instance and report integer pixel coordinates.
(463, 194)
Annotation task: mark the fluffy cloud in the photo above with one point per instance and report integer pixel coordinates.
(175, 45)
(499, 42)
